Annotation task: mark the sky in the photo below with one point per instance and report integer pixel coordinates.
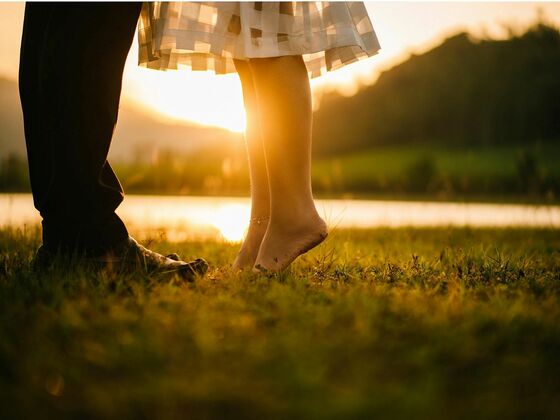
(403, 28)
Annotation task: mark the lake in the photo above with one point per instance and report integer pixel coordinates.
(226, 218)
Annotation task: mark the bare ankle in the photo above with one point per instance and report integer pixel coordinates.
(259, 221)
(296, 221)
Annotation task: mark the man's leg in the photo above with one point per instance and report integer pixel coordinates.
(36, 23)
(71, 66)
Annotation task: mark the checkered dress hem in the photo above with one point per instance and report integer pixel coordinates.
(209, 36)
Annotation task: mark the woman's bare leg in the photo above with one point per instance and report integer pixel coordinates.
(284, 104)
(260, 195)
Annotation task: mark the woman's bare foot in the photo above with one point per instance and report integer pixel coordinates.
(249, 250)
(282, 244)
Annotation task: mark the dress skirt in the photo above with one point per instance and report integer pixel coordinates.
(210, 35)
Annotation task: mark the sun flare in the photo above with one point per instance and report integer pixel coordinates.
(232, 221)
(202, 97)
(208, 99)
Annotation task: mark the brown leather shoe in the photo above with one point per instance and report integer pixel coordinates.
(129, 256)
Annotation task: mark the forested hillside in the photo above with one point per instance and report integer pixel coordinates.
(464, 92)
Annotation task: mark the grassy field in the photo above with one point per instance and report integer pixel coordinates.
(493, 173)
(408, 323)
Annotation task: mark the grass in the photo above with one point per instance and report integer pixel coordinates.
(406, 323)
(498, 173)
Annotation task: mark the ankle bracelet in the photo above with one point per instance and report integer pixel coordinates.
(259, 220)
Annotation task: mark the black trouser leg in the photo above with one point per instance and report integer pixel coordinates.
(72, 59)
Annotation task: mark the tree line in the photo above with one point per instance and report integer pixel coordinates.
(463, 92)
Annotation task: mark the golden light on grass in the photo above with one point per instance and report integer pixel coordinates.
(232, 221)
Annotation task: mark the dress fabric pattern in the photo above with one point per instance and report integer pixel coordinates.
(209, 35)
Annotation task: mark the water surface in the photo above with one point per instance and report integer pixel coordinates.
(185, 217)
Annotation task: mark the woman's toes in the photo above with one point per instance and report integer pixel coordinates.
(280, 248)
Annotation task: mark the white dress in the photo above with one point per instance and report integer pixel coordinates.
(209, 35)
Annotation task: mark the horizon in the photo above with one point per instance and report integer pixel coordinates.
(183, 96)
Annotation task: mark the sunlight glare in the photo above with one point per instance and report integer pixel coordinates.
(193, 96)
(232, 221)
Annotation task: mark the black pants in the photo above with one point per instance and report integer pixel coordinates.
(72, 59)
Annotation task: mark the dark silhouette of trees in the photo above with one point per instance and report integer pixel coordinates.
(463, 92)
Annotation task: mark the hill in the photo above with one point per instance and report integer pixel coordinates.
(463, 92)
(11, 120)
(138, 135)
